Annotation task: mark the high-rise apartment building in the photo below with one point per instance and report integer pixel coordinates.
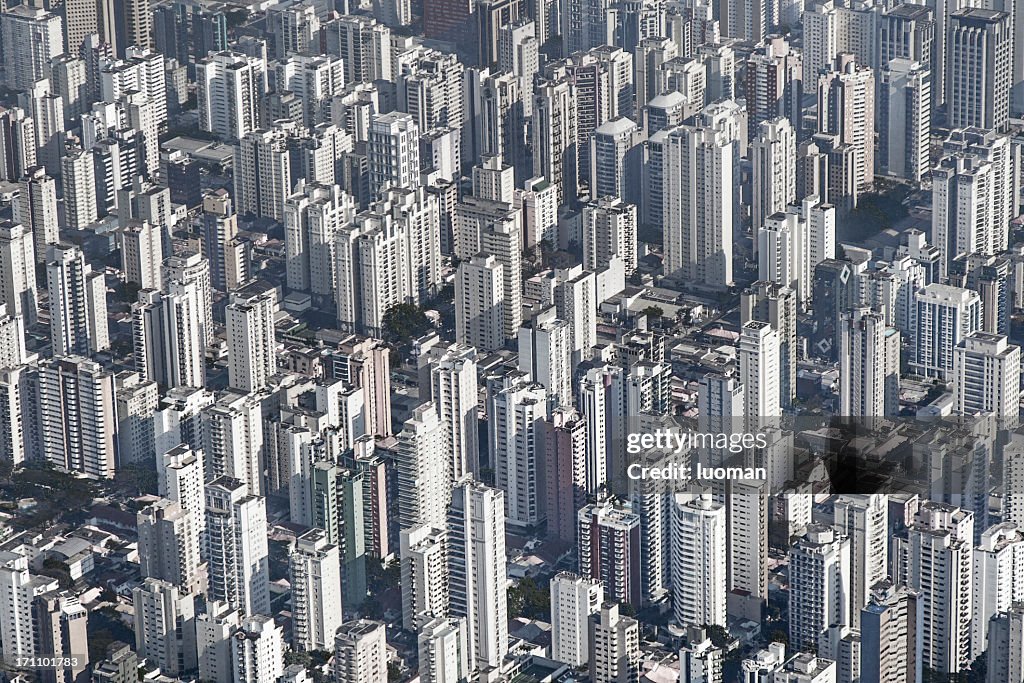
(236, 546)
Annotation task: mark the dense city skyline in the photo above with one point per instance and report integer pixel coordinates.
(444, 341)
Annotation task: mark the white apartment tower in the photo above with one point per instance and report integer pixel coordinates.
(945, 316)
(257, 650)
(998, 587)
(236, 546)
(423, 473)
(698, 547)
(869, 365)
(819, 566)
(169, 545)
(314, 574)
(516, 408)
(360, 652)
(573, 600)
(36, 208)
(759, 372)
(17, 271)
(863, 519)
(424, 563)
(701, 204)
(164, 626)
(939, 566)
(77, 421)
(313, 215)
(477, 572)
(393, 149)
(846, 109)
(31, 38)
(453, 389)
(614, 646)
(251, 346)
(263, 171)
(773, 158)
(169, 336)
(480, 303)
(609, 230)
(545, 355)
(443, 651)
(986, 376)
(230, 87)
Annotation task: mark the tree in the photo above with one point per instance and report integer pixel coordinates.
(653, 311)
(404, 322)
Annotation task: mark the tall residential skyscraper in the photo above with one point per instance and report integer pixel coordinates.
(164, 626)
(31, 37)
(863, 519)
(972, 195)
(890, 628)
(609, 548)
(77, 421)
(701, 203)
(252, 356)
(78, 173)
(774, 83)
(945, 316)
(453, 389)
(573, 600)
(141, 253)
(614, 642)
(393, 150)
(263, 171)
(615, 160)
(477, 572)
(609, 230)
(545, 355)
(773, 157)
(516, 408)
(424, 565)
(998, 563)
(904, 119)
(423, 474)
(169, 542)
(315, 579)
(846, 109)
(312, 217)
(939, 566)
(36, 209)
(819, 565)
(699, 580)
(480, 303)
(759, 372)
(231, 87)
(986, 376)
(257, 650)
(360, 652)
(911, 32)
(236, 546)
(443, 651)
(565, 459)
(980, 53)
(18, 272)
(869, 362)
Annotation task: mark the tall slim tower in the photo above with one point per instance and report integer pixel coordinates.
(36, 209)
(477, 572)
(980, 53)
(869, 359)
(699, 581)
(236, 546)
(773, 157)
(820, 585)
(315, 578)
(904, 119)
(864, 520)
(573, 599)
(251, 345)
